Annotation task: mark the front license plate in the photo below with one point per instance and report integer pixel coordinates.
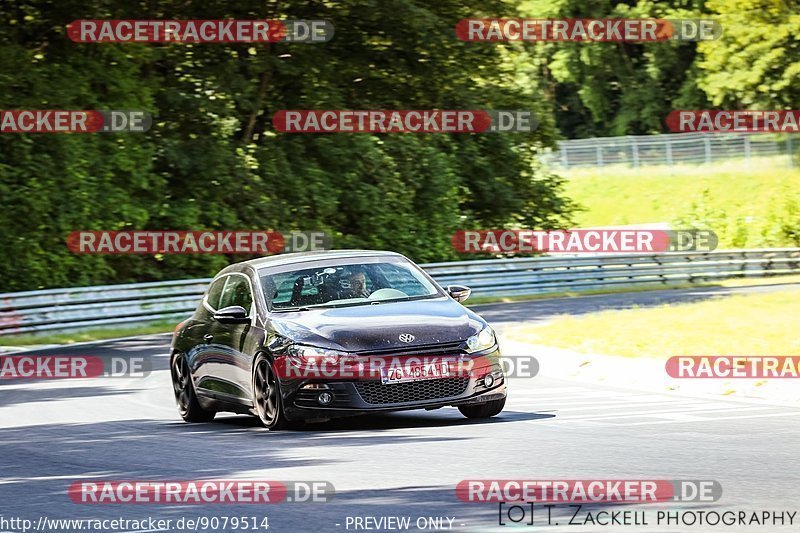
(415, 372)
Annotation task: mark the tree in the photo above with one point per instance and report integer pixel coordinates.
(616, 88)
(212, 159)
(756, 63)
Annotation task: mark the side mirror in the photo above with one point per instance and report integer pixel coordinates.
(235, 314)
(458, 293)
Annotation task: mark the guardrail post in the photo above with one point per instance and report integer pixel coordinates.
(707, 144)
(564, 158)
(635, 149)
(669, 153)
(599, 156)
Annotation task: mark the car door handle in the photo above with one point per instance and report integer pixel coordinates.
(208, 337)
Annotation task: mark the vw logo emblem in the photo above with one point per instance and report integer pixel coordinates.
(407, 337)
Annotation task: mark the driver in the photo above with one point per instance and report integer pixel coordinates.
(355, 285)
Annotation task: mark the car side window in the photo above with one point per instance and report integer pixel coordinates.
(237, 292)
(215, 291)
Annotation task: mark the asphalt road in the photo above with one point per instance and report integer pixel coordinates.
(53, 433)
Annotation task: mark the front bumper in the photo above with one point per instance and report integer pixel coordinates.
(354, 397)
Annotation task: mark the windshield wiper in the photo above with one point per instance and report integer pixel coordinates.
(302, 308)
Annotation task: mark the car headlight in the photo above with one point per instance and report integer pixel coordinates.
(302, 355)
(483, 340)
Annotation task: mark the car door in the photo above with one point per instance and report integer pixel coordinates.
(200, 351)
(232, 365)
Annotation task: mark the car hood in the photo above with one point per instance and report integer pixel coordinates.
(366, 328)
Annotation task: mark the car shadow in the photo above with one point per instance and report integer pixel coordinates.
(394, 420)
(39, 463)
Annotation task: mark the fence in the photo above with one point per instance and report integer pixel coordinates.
(76, 308)
(670, 149)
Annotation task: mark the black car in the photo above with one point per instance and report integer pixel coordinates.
(316, 335)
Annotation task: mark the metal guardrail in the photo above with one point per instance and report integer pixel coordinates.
(109, 305)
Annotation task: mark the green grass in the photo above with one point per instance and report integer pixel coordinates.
(87, 335)
(759, 324)
(748, 205)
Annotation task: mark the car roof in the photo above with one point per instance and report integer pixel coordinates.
(302, 257)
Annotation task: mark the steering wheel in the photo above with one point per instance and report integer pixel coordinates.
(386, 294)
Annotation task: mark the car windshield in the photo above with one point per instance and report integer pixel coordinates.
(345, 284)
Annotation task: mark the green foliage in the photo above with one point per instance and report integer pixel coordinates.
(608, 89)
(756, 63)
(703, 214)
(790, 220)
(212, 159)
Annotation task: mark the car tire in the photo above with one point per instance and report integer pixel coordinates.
(185, 397)
(483, 410)
(267, 399)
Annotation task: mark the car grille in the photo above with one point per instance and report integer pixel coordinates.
(375, 392)
(450, 348)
